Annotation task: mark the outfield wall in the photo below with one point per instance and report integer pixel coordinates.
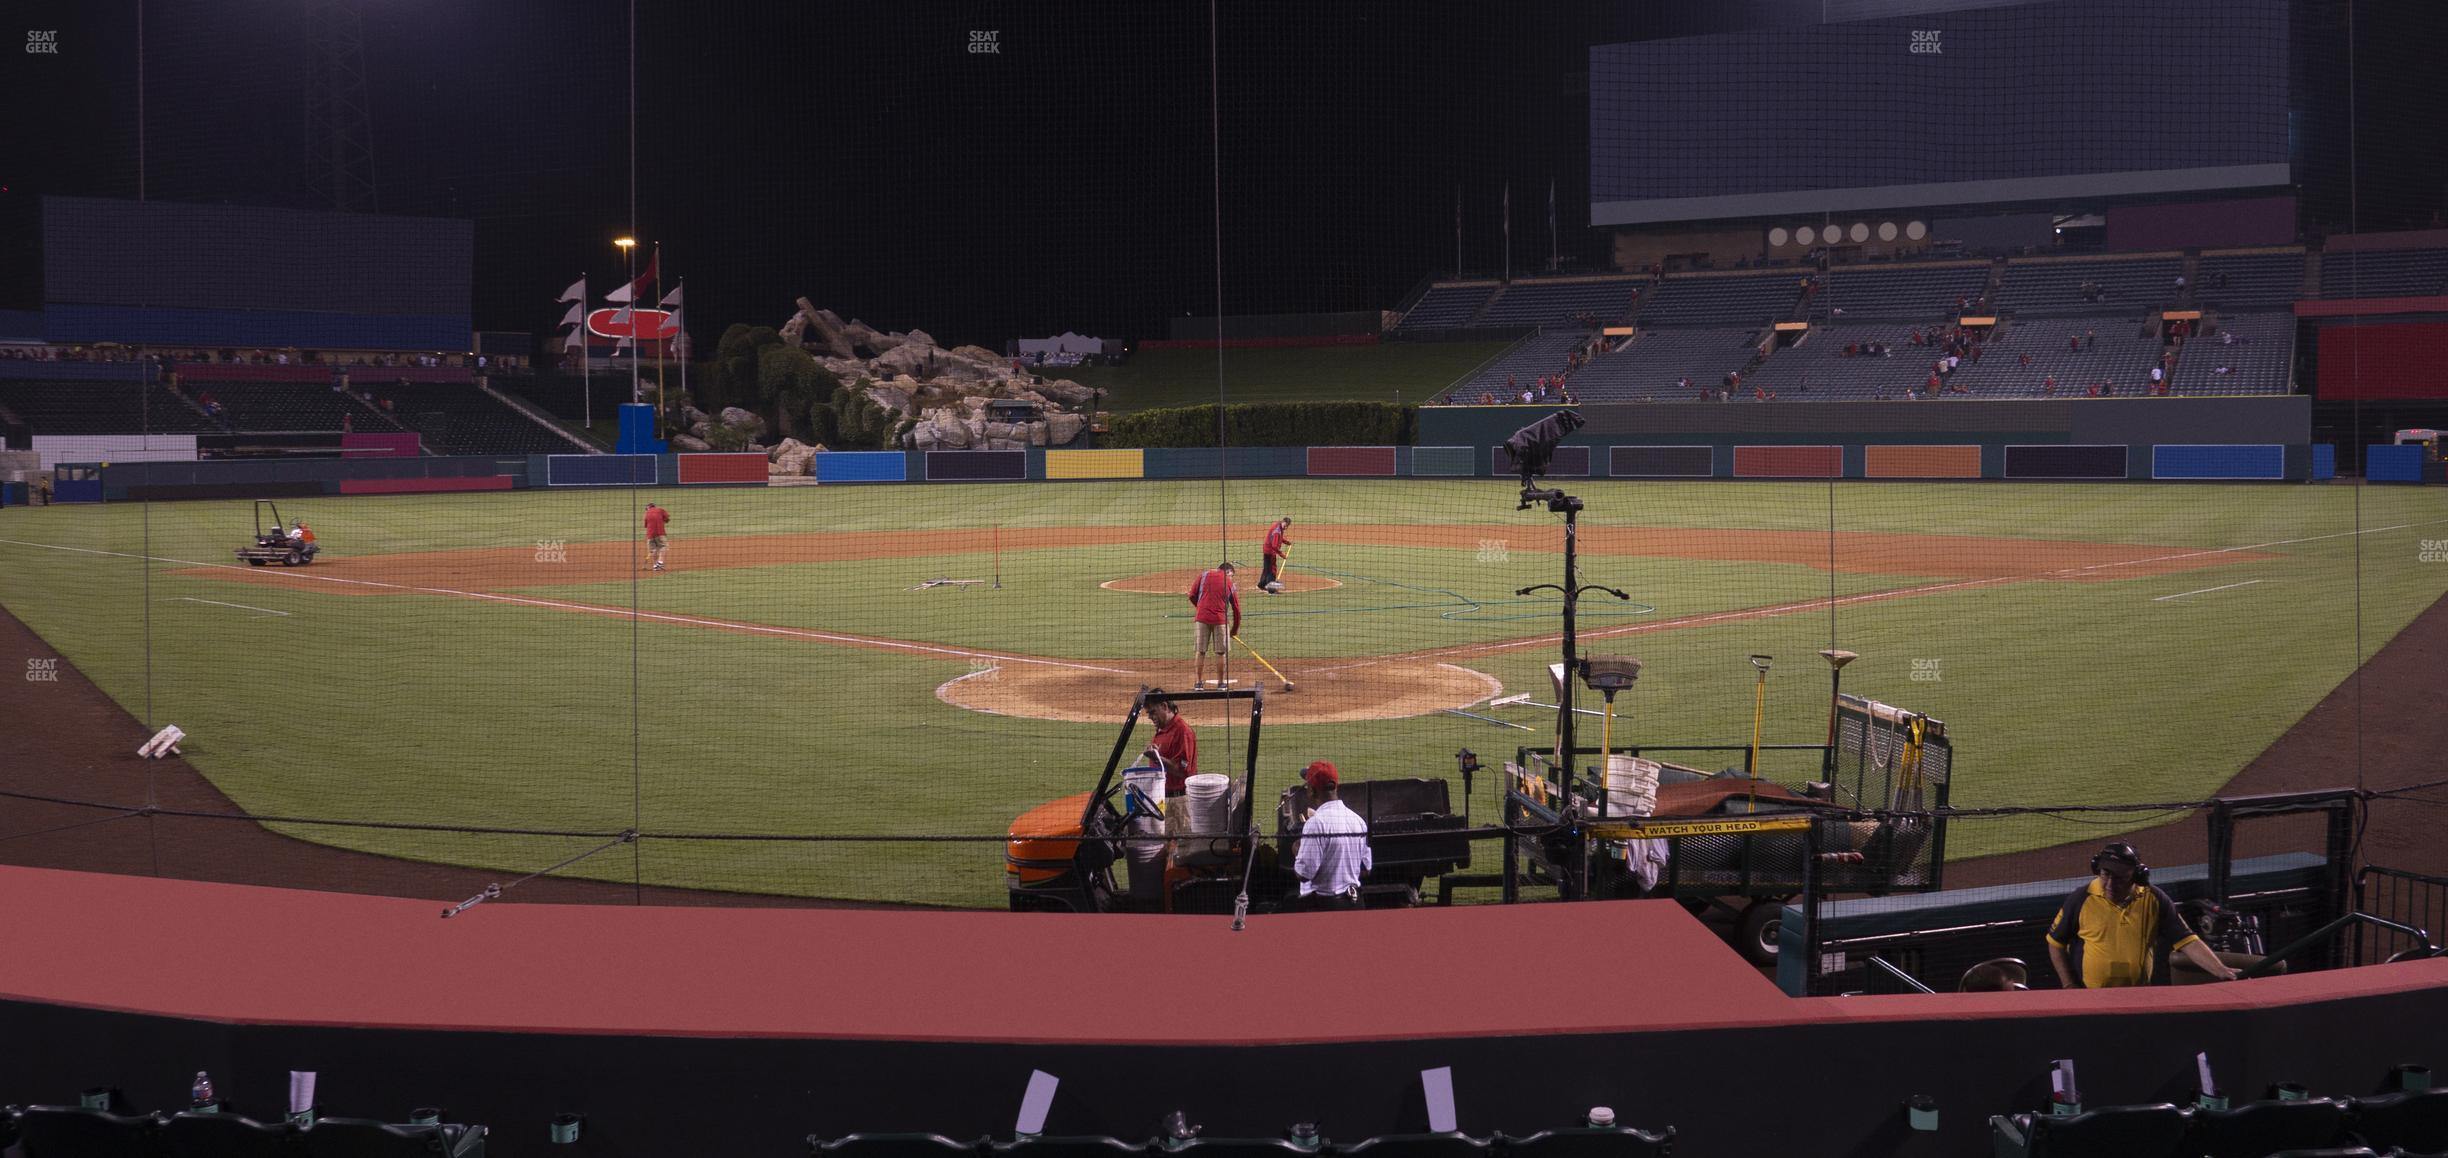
(2225, 439)
(2092, 438)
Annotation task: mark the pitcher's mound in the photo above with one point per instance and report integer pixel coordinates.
(1330, 692)
(1177, 582)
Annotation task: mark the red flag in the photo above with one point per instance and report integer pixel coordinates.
(636, 290)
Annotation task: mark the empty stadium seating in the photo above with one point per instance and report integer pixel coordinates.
(101, 408)
(1523, 362)
(2249, 280)
(1721, 299)
(1917, 290)
(1818, 369)
(2122, 356)
(2257, 1128)
(2260, 361)
(259, 407)
(564, 397)
(1529, 303)
(1446, 307)
(457, 419)
(1655, 362)
(2125, 283)
(1578, 1142)
(2384, 273)
(85, 1132)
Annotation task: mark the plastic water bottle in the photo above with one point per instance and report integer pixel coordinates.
(200, 1096)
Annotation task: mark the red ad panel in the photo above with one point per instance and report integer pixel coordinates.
(2408, 360)
(1367, 461)
(722, 468)
(1789, 462)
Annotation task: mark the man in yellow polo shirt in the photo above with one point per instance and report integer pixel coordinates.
(2113, 931)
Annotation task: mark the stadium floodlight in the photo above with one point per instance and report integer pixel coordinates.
(624, 243)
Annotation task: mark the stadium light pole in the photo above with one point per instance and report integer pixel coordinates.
(628, 247)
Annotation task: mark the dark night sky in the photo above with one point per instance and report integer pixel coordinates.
(860, 154)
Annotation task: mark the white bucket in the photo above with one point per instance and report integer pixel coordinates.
(1210, 801)
(1146, 850)
(1631, 785)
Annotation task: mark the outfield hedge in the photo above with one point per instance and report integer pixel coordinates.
(1269, 424)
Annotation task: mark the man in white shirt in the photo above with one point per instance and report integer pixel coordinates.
(1334, 848)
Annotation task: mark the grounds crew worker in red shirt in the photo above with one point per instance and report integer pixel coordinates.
(1214, 594)
(1175, 746)
(1270, 573)
(656, 519)
(2111, 932)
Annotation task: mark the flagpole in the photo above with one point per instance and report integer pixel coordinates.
(655, 263)
(586, 383)
(1508, 231)
(1554, 256)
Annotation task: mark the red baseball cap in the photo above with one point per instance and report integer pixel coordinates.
(1320, 773)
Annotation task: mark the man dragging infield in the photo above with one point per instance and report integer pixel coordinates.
(1214, 595)
(1278, 546)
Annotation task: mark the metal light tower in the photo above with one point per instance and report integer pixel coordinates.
(339, 129)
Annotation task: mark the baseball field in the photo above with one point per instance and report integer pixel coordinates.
(503, 661)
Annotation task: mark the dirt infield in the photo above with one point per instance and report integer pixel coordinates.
(1381, 691)
(1177, 583)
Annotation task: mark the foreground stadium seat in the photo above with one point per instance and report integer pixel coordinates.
(75, 1132)
(1090, 1146)
(2416, 1120)
(894, 1146)
(1457, 1145)
(368, 1138)
(193, 1135)
(1590, 1142)
(2152, 1131)
(2256, 1128)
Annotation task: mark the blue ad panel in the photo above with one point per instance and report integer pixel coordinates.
(2393, 464)
(602, 470)
(2324, 461)
(852, 466)
(2218, 462)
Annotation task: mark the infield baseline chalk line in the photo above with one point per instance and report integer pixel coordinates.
(2204, 591)
(239, 606)
(596, 609)
(1463, 650)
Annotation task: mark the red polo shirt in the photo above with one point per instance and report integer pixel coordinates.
(1178, 746)
(1275, 541)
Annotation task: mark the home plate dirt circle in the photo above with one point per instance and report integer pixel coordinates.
(1331, 690)
(1178, 582)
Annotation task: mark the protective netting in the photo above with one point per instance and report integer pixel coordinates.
(844, 677)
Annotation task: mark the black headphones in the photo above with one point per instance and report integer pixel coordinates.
(2120, 850)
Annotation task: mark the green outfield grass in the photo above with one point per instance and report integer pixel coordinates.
(1388, 372)
(443, 708)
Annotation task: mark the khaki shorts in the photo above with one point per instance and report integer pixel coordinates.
(1212, 637)
(656, 542)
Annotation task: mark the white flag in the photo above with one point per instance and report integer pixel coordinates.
(575, 316)
(671, 324)
(618, 295)
(575, 293)
(673, 298)
(624, 316)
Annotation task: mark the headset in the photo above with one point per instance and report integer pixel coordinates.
(2120, 850)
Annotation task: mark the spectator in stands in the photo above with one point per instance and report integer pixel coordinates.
(2180, 285)
(2158, 375)
(2073, 344)
(1486, 398)
(2113, 931)
(2090, 339)
(2048, 386)
(1933, 382)
(1525, 395)
(2226, 337)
